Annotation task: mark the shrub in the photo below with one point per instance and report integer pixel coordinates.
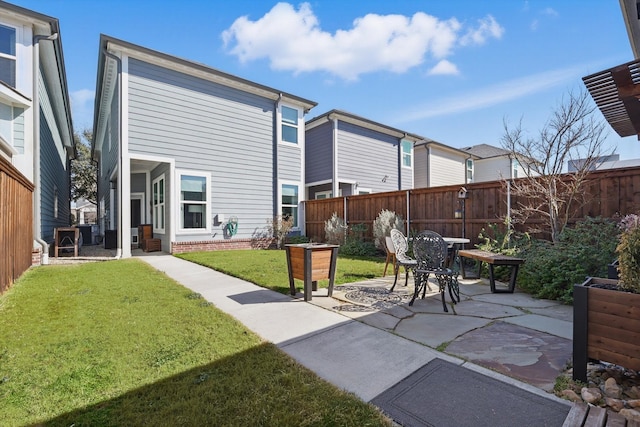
(382, 226)
(502, 240)
(335, 230)
(279, 226)
(551, 269)
(628, 251)
(355, 244)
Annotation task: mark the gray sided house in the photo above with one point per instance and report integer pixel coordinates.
(36, 132)
(494, 163)
(437, 164)
(202, 157)
(349, 155)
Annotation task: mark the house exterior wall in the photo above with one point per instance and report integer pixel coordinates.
(55, 203)
(380, 161)
(420, 167)
(210, 128)
(319, 153)
(109, 148)
(491, 169)
(435, 166)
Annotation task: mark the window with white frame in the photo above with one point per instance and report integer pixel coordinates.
(407, 154)
(290, 202)
(289, 124)
(514, 168)
(8, 55)
(324, 195)
(469, 169)
(194, 200)
(158, 204)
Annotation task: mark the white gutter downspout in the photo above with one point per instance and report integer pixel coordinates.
(335, 188)
(119, 188)
(37, 203)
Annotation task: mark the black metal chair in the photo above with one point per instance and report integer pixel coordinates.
(430, 251)
(402, 260)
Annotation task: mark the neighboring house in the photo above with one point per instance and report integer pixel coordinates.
(494, 163)
(604, 162)
(36, 132)
(349, 155)
(206, 157)
(437, 164)
(84, 212)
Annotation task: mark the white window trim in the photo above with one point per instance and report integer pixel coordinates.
(402, 154)
(466, 170)
(362, 190)
(208, 218)
(163, 204)
(300, 126)
(328, 194)
(18, 40)
(299, 185)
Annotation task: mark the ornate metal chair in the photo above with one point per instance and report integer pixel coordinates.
(402, 260)
(430, 251)
(391, 255)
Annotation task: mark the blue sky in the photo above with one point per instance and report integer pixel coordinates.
(451, 71)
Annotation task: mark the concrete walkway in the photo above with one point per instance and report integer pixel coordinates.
(364, 352)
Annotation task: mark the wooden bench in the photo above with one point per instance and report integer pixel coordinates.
(582, 414)
(492, 259)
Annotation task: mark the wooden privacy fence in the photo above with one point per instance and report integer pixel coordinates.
(608, 193)
(16, 224)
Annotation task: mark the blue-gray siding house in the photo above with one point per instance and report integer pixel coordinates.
(36, 132)
(205, 157)
(348, 155)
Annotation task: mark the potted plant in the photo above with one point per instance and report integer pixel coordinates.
(606, 312)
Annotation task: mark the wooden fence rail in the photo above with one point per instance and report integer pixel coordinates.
(16, 224)
(608, 193)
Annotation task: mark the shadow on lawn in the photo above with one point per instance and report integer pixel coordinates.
(260, 386)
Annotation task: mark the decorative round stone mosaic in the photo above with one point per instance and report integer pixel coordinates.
(368, 299)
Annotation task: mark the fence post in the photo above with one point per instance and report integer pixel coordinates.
(408, 212)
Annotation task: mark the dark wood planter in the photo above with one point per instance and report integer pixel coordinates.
(311, 262)
(606, 326)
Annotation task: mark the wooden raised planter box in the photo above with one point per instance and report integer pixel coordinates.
(606, 326)
(311, 262)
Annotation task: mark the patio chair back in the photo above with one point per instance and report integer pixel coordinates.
(400, 245)
(430, 251)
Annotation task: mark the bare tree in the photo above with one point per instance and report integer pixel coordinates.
(570, 136)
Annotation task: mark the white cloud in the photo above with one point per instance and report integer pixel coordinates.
(550, 12)
(293, 40)
(492, 95)
(82, 108)
(444, 67)
(487, 28)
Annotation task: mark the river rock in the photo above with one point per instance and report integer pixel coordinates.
(571, 395)
(612, 389)
(615, 404)
(633, 403)
(591, 395)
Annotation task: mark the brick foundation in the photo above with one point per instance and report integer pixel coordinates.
(220, 245)
(36, 257)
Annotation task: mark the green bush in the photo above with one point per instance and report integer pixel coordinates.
(502, 240)
(628, 251)
(551, 270)
(355, 243)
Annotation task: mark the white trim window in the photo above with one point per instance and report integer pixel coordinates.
(8, 55)
(289, 126)
(158, 194)
(194, 201)
(407, 154)
(289, 198)
(324, 195)
(469, 170)
(515, 165)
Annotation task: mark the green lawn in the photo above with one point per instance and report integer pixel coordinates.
(118, 343)
(268, 268)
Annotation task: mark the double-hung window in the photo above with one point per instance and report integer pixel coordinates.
(158, 204)
(8, 55)
(469, 169)
(407, 154)
(289, 125)
(194, 199)
(514, 168)
(290, 202)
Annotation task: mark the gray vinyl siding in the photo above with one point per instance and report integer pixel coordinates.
(108, 163)
(420, 167)
(367, 157)
(446, 168)
(54, 171)
(211, 128)
(18, 129)
(289, 162)
(319, 153)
